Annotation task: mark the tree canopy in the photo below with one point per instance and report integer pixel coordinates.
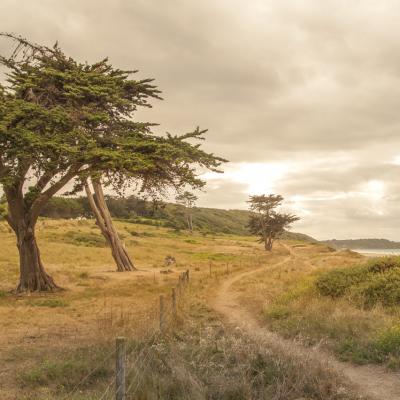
(265, 221)
(62, 121)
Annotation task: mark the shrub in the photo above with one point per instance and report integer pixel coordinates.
(384, 289)
(388, 342)
(383, 264)
(335, 283)
(376, 282)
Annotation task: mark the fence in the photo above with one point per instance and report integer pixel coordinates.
(130, 361)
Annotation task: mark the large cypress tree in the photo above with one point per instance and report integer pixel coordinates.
(62, 122)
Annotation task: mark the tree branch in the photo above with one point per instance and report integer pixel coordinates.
(44, 197)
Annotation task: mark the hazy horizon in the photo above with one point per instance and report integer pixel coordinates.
(302, 97)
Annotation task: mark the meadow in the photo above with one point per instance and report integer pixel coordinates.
(338, 301)
(51, 342)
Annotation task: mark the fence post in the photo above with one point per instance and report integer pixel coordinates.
(187, 276)
(210, 269)
(162, 321)
(120, 385)
(173, 298)
(179, 287)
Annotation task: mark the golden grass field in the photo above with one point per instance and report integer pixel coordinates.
(49, 341)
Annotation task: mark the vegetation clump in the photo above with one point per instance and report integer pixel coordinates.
(377, 282)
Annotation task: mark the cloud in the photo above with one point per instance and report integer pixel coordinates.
(310, 86)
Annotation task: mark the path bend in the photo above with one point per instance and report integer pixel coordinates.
(371, 381)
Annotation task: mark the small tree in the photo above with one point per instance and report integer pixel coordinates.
(265, 221)
(188, 200)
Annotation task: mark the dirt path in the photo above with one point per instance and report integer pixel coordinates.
(370, 381)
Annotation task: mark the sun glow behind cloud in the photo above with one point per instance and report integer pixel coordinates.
(257, 178)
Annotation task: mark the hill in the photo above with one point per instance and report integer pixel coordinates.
(170, 215)
(363, 244)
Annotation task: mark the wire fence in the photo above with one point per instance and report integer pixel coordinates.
(132, 364)
(156, 326)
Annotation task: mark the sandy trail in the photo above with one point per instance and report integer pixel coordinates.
(371, 381)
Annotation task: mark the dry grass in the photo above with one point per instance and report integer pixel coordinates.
(50, 341)
(287, 300)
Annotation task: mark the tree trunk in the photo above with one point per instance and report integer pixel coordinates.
(33, 277)
(190, 222)
(268, 244)
(105, 223)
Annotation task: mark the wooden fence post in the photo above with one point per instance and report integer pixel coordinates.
(210, 268)
(162, 320)
(120, 384)
(187, 276)
(179, 287)
(173, 299)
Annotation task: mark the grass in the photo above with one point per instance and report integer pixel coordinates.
(49, 342)
(51, 303)
(333, 299)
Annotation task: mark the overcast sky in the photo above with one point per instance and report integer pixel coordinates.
(302, 97)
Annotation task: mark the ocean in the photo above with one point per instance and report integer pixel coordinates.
(378, 252)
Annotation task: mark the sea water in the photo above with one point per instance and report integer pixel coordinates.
(378, 252)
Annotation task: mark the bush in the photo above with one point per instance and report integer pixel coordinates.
(384, 289)
(376, 282)
(383, 264)
(335, 283)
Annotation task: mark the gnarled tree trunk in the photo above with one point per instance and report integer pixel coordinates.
(105, 223)
(32, 274)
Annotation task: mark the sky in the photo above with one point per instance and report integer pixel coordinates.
(301, 96)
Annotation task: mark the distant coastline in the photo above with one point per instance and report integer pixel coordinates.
(378, 252)
(366, 245)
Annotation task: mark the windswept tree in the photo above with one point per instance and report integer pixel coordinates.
(188, 201)
(265, 221)
(157, 166)
(63, 122)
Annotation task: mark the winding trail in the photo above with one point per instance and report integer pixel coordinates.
(371, 381)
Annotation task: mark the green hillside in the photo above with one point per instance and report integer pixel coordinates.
(205, 220)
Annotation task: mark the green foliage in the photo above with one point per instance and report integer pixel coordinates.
(77, 238)
(64, 121)
(265, 222)
(378, 281)
(63, 207)
(383, 288)
(335, 283)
